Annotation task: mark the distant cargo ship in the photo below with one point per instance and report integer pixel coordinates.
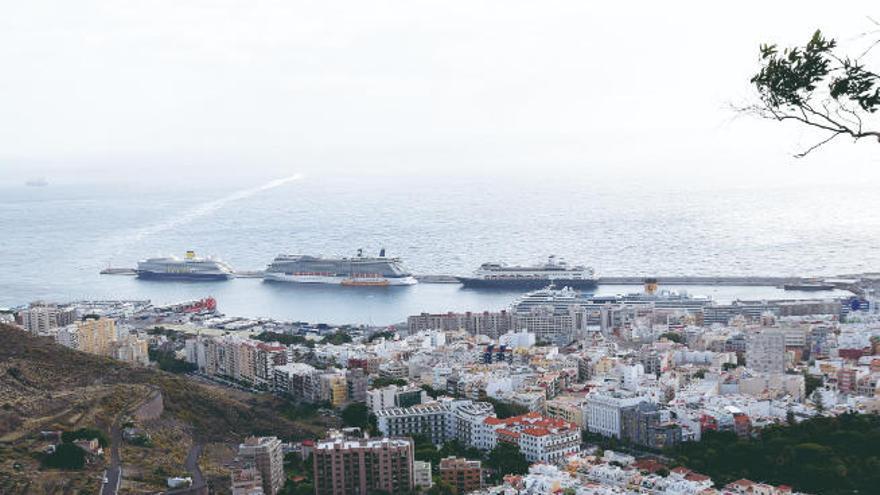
(355, 271)
(554, 272)
(190, 267)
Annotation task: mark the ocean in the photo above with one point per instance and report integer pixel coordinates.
(56, 239)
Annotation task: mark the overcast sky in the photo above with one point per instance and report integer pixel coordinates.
(118, 89)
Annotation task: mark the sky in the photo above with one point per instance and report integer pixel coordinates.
(247, 90)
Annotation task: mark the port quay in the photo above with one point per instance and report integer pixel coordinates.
(845, 282)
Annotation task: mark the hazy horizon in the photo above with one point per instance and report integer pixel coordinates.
(109, 91)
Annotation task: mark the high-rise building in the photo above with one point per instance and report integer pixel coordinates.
(264, 453)
(68, 337)
(647, 424)
(41, 317)
(247, 481)
(96, 335)
(354, 466)
(466, 476)
(131, 350)
(604, 412)
(356, 382)
(765, 351)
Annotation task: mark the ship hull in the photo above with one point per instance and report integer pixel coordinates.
(148, 275)
(526, 284)
(317, 279)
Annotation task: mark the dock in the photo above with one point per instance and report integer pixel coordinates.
(849, 283)
(249, 273)
(689, 280)
(118, 271)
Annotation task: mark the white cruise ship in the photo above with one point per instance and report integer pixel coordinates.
(190, 267)
(358, 270)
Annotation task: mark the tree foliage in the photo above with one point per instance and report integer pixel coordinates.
(285, 339)
(300, 475)
(387, 335)
(813, 85)
(811, 383)
(384, 382)
(357, 414)
(505, 409)
(505, 459)
(66, 456)
(338, 337)
(85, 434)
(834, 456)
(169, 362)
(432, 392)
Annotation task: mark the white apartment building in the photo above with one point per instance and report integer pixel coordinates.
(603, 412)
(68, 337)
(429, 420)
(517, 340)
(765, 351)
(392, 396)
(540, 439)
(422, 474)
(440, 421)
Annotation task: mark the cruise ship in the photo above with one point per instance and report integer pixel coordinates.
(359, 270)
(554, 272)
(191, 267)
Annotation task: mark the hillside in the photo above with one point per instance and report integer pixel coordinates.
(44, 386)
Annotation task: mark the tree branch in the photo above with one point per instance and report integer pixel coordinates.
(817, 145)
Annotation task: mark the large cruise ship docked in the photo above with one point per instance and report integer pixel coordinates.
(555, 271)
(190, 267)
(358, 270)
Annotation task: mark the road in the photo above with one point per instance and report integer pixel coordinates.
(113, 474)
(192, 465)
(198, 486)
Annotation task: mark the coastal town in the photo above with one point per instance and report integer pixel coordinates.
(563, 392)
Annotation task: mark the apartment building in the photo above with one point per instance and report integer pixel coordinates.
(265, 454)
(393, 396)
(540, 439)
(422, 474)
(567, 408)
(351, 466)
(39, 318)
(464, 475)
(604, 412)
(440, 421)
(765, 351)
(96, 335)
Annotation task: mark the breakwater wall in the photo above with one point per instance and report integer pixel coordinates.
(671, 280)
(686, 280)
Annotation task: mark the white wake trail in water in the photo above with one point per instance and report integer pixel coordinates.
(198, 212)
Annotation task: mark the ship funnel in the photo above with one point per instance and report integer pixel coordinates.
(360, 252)
(382, 253)
(650, 286)
(190, 254)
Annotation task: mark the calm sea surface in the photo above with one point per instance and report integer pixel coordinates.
(54, 240)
